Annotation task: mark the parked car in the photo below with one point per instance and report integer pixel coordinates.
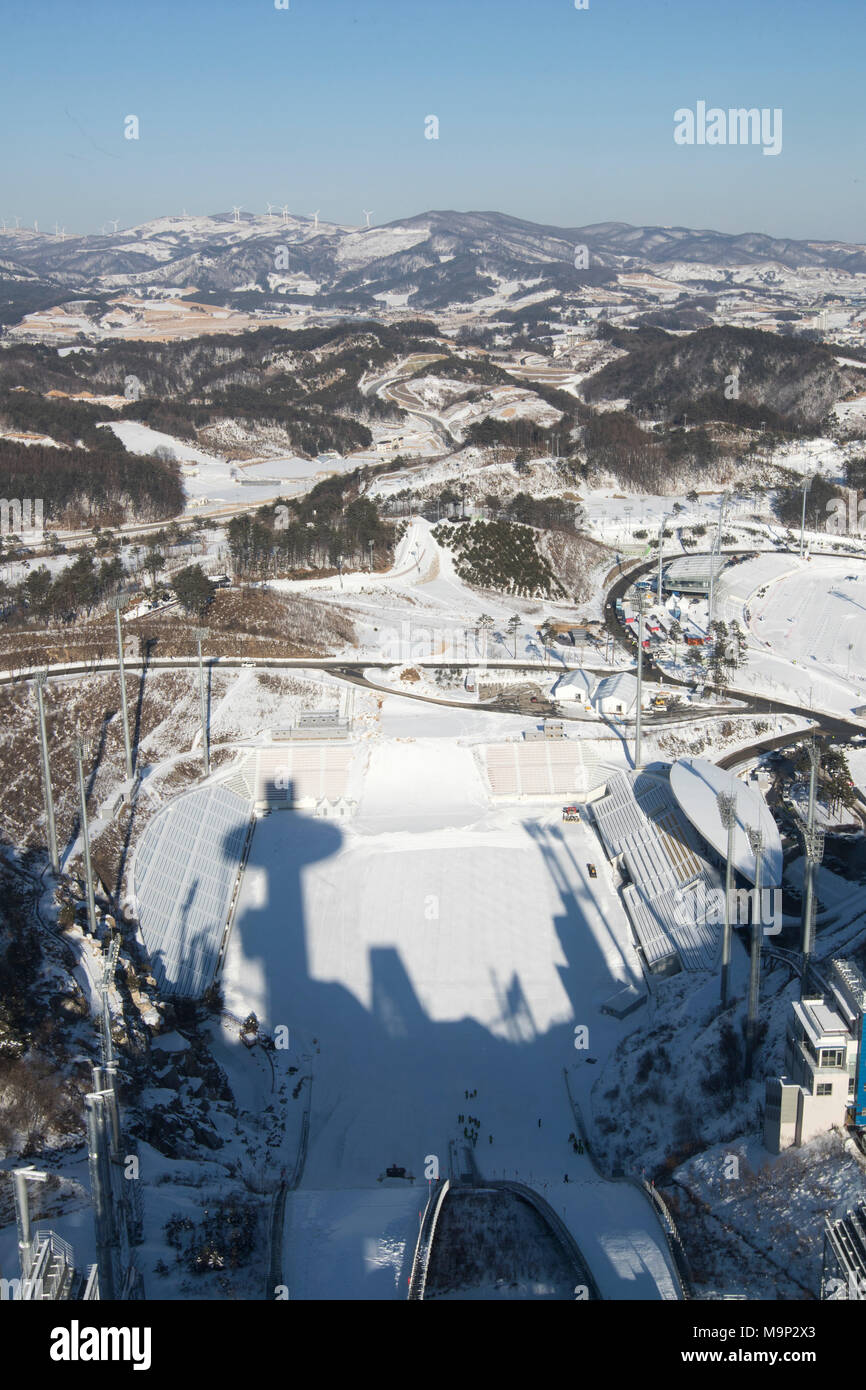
(592, 870)
(570, 813)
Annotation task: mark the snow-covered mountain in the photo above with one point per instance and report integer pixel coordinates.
(434, 259)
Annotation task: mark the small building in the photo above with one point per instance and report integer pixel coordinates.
(693, 574)
(574, 687)
(824, 1086)
(616, 694)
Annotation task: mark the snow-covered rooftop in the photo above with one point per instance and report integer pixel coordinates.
(696, 784)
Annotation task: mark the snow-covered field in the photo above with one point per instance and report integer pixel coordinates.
(211, 480)
(804, 618)
(435, 945)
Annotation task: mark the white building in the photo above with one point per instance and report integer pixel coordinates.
(616, 694)
(574, 688)
(823, 1086)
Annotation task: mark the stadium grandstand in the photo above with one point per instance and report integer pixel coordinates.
(275, 778)
(670, 888)
(552, 768)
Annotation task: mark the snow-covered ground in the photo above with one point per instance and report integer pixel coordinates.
(211, 481)
(804, 619)
(434, 945)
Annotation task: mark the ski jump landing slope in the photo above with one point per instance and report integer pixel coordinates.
(432, 946)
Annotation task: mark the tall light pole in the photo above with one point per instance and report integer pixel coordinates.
(117, 603)
(41, 677)
(661, 549)
(638, 721)
(756, 842)
(201, 634)
(813, 839)
(727, 804)
(807, 483)
(80, 750)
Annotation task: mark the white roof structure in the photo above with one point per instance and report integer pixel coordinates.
(696, 783)
(620, 689)
(693, 571)
(574, 685)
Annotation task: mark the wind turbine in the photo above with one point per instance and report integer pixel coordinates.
(56, 229)
(316, 217)
(17, 223)
(114, 222)
(286, 215)
(36, 226)
(237, 213)
(271, 211)
(367, 214)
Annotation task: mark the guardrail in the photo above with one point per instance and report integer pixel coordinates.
(555, 1224)
(424, 1243)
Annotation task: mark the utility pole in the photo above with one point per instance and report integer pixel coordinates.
(638, 721)
(201, 633)
(813, 838)
(47, 793)
(756, 842)
(80, 749)
(727, 804)
(117, 603)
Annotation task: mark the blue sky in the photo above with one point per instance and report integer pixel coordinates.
(557, 115)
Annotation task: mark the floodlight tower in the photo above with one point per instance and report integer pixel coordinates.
(756, 842)
(80, 750)
(813, 838)
(638, 720)
(727, 804)
(41, 677)
(117, 603)
(661, 549)
(201, 633)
